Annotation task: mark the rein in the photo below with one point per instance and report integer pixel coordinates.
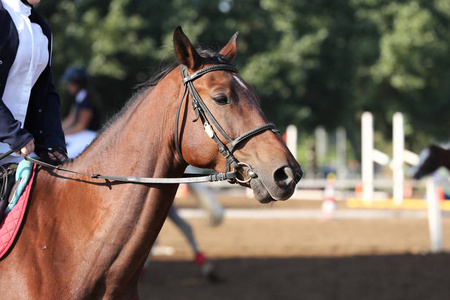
(2, 156)
(187, 178)
(204, 114)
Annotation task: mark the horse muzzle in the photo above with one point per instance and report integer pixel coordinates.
(277, 186)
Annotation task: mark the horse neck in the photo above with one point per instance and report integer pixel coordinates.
(140, 143)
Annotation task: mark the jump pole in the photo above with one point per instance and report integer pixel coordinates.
(341, 153)
(434, 216)
(371, 155)
(291, 139)
(398, 145)
(367, 156)
(400, 155)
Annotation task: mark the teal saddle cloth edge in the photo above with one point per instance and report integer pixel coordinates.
(23, 174)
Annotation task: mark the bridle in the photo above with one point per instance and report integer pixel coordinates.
(204, 114)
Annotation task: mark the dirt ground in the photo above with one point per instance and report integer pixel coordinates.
(302, 258)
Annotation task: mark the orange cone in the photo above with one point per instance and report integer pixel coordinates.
(358, 190)
(329, 203)
(440, 193)
(182, 191)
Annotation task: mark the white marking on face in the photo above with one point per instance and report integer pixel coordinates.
(239, 80)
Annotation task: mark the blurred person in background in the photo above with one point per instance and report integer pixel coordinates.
(81, 124)
(207, 268)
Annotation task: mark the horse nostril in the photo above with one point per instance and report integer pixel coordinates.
(285, 176)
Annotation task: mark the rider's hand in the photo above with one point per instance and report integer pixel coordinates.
(57, 154)
(27, 149)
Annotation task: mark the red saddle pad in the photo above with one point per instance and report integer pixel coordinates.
(10, 225)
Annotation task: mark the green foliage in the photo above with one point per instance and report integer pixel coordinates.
(320, 62)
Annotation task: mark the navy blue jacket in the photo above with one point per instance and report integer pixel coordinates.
(43, 120)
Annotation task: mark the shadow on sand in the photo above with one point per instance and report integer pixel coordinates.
(359, 277)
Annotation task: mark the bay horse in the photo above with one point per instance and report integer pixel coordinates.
(86, 238)
(431, 159)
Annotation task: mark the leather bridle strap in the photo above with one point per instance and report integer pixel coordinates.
(206, 117)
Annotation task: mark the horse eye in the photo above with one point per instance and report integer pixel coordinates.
(221, 100)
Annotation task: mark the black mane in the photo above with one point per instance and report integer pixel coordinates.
(211, 55)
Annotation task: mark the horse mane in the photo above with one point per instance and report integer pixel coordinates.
(164, 69)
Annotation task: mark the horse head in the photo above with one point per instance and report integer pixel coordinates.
(233, 122)
(429, 161)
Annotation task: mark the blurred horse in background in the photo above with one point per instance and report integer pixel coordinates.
(431, 159)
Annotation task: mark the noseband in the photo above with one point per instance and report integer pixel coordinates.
(202, 112)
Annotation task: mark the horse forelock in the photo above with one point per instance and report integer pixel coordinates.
(215, 57)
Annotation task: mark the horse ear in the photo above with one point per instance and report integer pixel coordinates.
(230, 49)
(186, 53)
